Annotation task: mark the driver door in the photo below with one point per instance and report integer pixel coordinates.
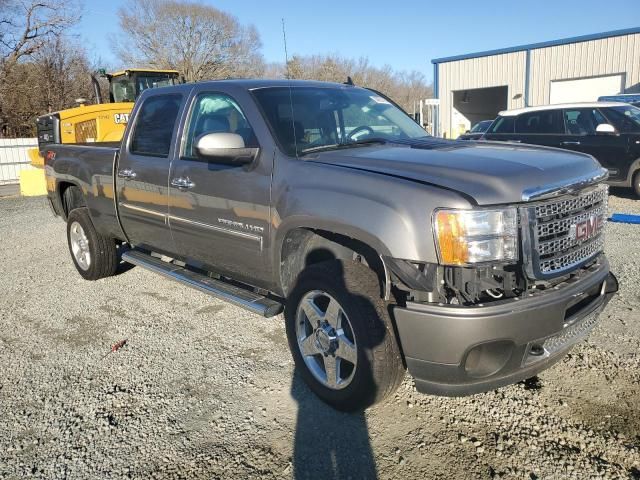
(219, 214)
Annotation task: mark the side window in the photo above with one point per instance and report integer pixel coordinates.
(217, 113)
(583, 121)
(541, 122)
(155, 124)
(502, 125)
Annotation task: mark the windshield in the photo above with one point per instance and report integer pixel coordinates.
(626, 118)
(126, 88)
(482, 126)
(307, 119)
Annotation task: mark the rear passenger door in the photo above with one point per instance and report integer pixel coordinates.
(610, 150)
(540, 127)
(143, 171)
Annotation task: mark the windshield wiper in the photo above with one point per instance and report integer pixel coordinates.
(338, 146)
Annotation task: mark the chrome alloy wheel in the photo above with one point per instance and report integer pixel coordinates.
(326, 339)
(80, 246)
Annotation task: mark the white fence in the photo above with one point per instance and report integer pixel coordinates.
(14, 157)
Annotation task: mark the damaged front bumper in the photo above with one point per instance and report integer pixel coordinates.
(455, 350)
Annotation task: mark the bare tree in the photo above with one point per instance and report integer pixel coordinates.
(26, 26)
(404, 88)
(200, 41)
(51, 80)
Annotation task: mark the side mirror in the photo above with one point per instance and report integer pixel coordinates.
(226, 148)
(605, 129)
(467, 131)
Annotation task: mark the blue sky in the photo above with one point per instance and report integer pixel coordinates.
(404, 34)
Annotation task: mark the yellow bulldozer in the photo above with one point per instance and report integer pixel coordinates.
(98, 122)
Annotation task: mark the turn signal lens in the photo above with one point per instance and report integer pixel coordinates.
(466, 237)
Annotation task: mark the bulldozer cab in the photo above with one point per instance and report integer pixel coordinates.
(127, 85)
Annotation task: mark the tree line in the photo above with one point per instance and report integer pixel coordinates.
(44, 68)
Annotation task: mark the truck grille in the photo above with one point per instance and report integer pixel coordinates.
(567, 232)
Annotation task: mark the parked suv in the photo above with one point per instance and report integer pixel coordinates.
(610, 131)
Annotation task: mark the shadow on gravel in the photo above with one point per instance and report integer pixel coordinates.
(329, 444)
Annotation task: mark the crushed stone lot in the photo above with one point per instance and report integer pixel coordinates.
(203, 389)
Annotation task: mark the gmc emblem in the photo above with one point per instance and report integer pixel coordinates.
(586, 229)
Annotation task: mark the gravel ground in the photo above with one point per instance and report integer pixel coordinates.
(205, 390)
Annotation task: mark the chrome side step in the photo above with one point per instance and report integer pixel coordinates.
(247, 299)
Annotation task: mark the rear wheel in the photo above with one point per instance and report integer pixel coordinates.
(636, 183)
(341, 336)
(94, 255)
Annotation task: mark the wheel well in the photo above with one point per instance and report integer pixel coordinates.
(70, 197)
(303, 247)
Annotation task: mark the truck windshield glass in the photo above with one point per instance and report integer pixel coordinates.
(127, 88)
(625, 118)
(306, 119)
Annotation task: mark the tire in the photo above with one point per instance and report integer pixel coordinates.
(94, 255)
(364, 334)
(636, 183)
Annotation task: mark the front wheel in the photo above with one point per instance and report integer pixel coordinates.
(341, 336)
(636, 184)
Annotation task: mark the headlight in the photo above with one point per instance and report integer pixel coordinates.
(475, 236)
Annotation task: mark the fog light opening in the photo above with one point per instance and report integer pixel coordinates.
(487, 359)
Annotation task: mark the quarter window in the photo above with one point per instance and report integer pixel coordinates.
(540, 122)
(155, 124)
(217, 113)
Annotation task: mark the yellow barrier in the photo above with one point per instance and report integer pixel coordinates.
(32, 183)
(35, 157)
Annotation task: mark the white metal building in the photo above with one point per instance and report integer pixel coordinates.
(477, 86)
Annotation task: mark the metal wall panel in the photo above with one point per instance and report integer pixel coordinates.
(14, 157)
(594, 58)
(582, 59)
(493, 71)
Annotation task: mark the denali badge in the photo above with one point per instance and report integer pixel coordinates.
(586, 229)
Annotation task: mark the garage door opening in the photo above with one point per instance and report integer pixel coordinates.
(474, 105)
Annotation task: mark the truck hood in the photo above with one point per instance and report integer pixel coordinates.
(489, 172)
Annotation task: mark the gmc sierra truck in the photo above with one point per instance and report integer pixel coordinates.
(473, 265)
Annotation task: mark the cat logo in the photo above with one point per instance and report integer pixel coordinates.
(121, 118)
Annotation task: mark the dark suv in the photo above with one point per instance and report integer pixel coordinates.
(610, 131)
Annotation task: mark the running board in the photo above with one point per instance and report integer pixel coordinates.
(241, 297)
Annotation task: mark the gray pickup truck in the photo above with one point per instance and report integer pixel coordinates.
(472, 265)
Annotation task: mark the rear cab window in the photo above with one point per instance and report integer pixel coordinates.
(155, 125)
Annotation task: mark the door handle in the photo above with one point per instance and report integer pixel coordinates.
(127, 174)
(569, 143)
(182, 183)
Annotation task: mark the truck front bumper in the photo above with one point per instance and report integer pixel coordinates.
(457, 350)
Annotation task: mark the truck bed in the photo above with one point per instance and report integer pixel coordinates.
(90, 167)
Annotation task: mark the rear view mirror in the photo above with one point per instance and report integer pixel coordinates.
(226, 148)
(605, 129)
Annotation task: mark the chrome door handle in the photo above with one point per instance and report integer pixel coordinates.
(182, 183)
(127, 174)
(569, 143)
